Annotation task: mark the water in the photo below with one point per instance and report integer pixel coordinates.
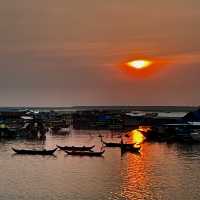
(160, 172)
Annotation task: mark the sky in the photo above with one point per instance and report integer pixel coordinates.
(70, 53)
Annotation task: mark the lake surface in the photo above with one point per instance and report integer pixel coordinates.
(161, 171)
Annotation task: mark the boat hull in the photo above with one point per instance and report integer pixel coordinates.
(34, 152)
(82, 153)
(75, 148)
(110, 144)
(130, 148)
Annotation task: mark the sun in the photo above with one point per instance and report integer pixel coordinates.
(139, 64)
(142, 67)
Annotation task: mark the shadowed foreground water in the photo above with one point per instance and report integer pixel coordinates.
(160, 172)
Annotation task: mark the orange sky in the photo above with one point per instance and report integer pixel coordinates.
(71, 53)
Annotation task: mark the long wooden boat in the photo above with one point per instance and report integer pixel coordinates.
(85, 153)
(130, 148)
(111, 144)
(76, 148)
(34, 151)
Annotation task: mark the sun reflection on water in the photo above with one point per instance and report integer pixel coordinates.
(137, 137)
(135, 176)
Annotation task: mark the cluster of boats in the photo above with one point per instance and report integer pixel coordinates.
(81, 150)
(70, 150)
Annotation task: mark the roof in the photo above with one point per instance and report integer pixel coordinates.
(136, 114)
(171, 114)
(194, 123)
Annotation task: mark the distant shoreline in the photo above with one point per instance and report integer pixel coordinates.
(141, 108)
(126, 108)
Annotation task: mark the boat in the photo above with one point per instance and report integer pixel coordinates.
(133, 148)
(111, 144)
(34, 151)
(130, 147)
(76, 148)
(85, 153)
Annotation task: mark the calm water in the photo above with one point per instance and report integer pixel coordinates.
(160, 172)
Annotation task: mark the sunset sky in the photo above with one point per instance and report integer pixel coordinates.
(65, 53)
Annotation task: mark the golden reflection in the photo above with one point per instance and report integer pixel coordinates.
(135, 177)
(137, 137)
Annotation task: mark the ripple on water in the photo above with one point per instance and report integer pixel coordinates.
(160, 172)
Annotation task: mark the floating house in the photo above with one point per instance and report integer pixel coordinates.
(193, 116)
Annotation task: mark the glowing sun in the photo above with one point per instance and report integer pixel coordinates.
(139, 64)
